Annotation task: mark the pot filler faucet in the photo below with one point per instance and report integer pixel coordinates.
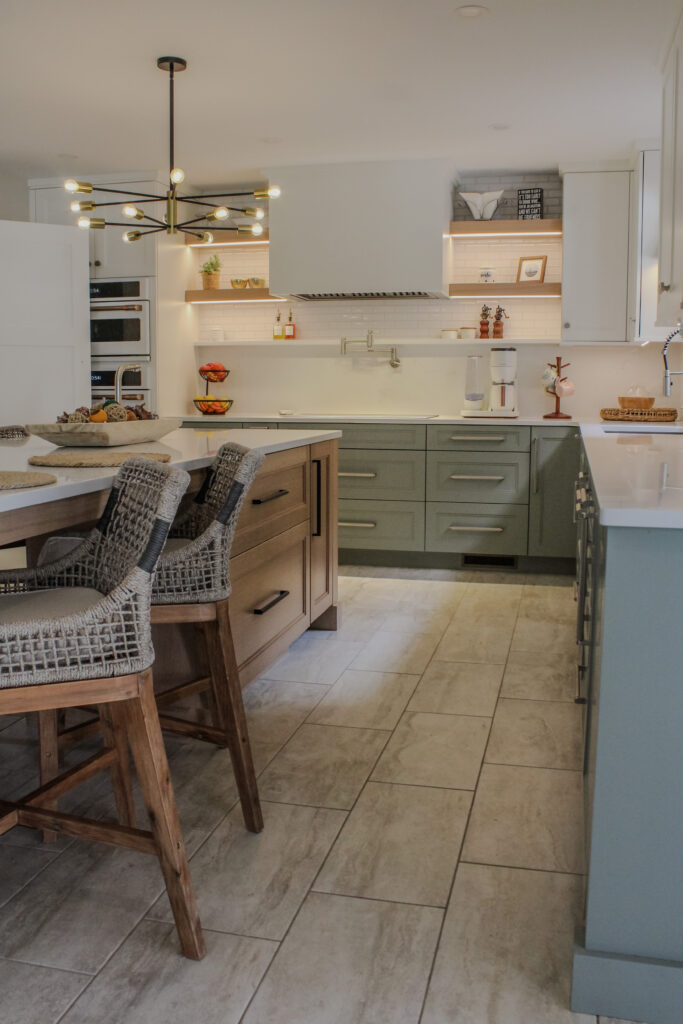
(118, 379)
(370, 349)
(668, 374)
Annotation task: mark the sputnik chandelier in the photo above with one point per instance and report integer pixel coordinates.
(134, 201)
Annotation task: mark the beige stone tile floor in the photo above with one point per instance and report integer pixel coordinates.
(422, 853)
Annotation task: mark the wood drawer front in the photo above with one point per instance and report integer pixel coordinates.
(479, 438)
(502, 477)
(260, 518)
(382, 525)
(479, 529)
(258, 577)
(407, 436)
(389, 475)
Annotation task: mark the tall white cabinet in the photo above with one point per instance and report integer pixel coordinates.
(670, 301)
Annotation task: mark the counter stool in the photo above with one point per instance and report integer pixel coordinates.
(192, 584)
(77, 632)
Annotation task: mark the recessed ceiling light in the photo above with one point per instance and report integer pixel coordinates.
(471, 10)
(499, 127)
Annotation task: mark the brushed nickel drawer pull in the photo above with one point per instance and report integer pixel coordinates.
(464, 476)
(359, 476)
(363, 526)
(476, 437)
(282, 594)
(476, 529)
(270, 497)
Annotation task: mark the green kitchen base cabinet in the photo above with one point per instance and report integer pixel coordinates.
(382, 525)
(389, 475)
(476, 528)
(406, 436)
(501, 477)
(555, 455)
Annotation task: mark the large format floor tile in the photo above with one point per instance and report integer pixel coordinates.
(466, 640)
(36, 995)
(370, 700)
(322, 765)
(314, 658)
(275, 709)
(397, 652)
(254, 884)
(399, 843)
(435, 750)
(539, 675)
(458, 688)
(527, 817)
(147, 982)
(506, 950)
(18, 866)
(349, 961)
(538, 733)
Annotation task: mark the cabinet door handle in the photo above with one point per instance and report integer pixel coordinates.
(664, 287)
(318, 463)
(579, 699)
(476, 437)
(269, 497)
(465, 476)
(282, 594)
(534, 465)
(359, 476)
(361, 526)
(476, 529)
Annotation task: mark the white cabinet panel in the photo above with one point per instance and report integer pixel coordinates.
(595, 256)
(671, 194)
(644, 256)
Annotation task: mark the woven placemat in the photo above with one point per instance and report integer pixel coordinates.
(662, 415)
(82, 460)
(10, 480)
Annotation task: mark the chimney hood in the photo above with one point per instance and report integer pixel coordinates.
(360, 230)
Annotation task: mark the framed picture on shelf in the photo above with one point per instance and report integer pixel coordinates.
(531, 268)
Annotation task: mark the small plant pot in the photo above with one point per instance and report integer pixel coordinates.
(210, 282)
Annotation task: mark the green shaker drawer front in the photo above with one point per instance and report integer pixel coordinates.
(382, 525)
(390, 475)
(408, 436)
(477, 528)
(478, 476)
(478, 437)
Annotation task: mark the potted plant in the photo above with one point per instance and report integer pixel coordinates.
(211, 272)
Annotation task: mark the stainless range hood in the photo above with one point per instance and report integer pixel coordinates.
(360, 230)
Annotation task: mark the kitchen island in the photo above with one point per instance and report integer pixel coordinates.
(285, 543)
(628, 960)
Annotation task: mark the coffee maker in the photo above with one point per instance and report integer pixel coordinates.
(502, 388)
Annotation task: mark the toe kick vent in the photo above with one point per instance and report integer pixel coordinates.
(490, 561)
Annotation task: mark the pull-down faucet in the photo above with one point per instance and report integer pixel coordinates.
(668, 374)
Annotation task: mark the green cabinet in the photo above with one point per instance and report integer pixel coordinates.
(555, 455)
(408, 436)
(382, 525)
(478, 437)
(476, 528)
(501, 477)
(389, 475)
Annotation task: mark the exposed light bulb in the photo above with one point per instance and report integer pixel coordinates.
(254, 211)
(177, 175)
(220, 213)
(132, 211)
(274, 191)
(207, 237)
(131, 236)
(79, 205)
(83, 222)
(257, 229)
(77, 186)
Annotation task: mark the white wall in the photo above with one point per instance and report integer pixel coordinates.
(13, 197)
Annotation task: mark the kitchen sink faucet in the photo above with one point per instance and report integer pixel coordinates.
(668, 374)
(369, 343)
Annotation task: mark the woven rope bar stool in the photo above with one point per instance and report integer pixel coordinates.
(192, 585)
(77, 632)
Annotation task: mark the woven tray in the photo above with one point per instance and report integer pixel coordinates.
(10, 480)
(640, 415)
(82, 460)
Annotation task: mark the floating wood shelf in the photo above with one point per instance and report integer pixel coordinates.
(511, 290)
(506, 228)
(222, 239)
(231, 295)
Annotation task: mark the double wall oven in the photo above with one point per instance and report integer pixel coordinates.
(121, 333)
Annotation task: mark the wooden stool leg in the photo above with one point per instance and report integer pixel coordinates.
(115, 738)
(146, 743)
(227, 692)
(48, 742)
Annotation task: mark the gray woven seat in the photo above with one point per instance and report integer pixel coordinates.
(198, 569)
(104, 629)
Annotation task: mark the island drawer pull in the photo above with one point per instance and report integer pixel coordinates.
(477, 529)
(465, 476)
(477, 437)
(270, 497)
(363, 526)
(359, 476)
(282, 594)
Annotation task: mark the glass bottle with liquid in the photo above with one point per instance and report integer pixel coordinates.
(278, 329)
(290, 327)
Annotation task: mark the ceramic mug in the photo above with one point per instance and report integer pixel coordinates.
(468, 332)
(564, 388)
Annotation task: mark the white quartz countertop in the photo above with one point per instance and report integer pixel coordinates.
(346, 417)
(637, 476)
(189, 449)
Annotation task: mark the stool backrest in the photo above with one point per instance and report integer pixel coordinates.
(222, 494)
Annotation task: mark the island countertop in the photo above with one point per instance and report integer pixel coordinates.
(189, 449)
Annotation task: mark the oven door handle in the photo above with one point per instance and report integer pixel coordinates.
(116, 309)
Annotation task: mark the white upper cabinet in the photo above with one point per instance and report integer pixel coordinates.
(644, 254)
(595, 256)
(671, 196)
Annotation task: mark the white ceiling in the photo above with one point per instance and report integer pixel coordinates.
(305, 81)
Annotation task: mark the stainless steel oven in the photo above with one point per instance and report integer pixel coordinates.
(120, 317)
(138, 385)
